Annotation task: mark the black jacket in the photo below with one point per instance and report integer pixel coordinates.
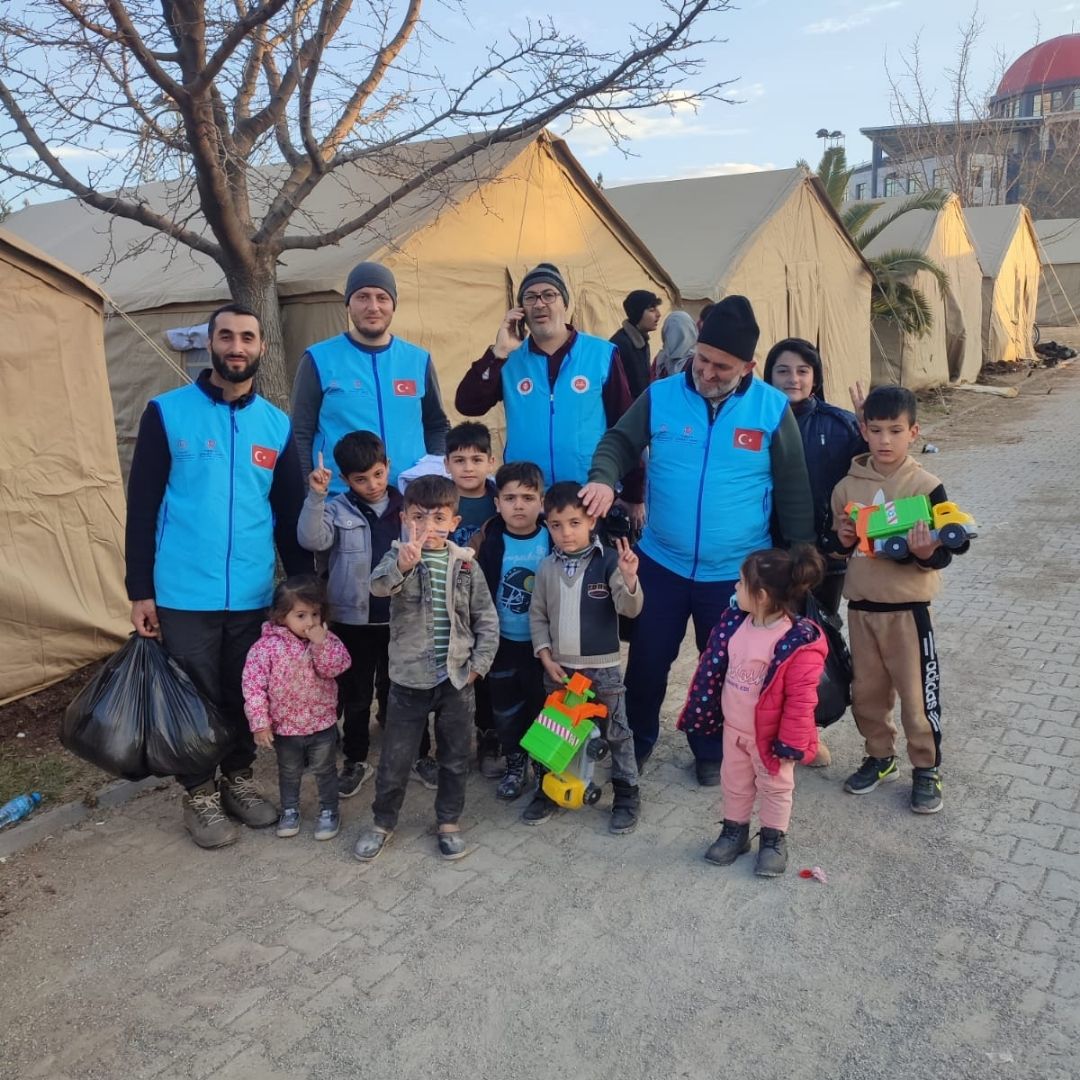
(489, 543)
(637, 360)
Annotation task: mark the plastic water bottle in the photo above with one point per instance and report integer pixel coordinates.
(18, 808)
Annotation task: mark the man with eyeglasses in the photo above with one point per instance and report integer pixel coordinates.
(561, 389)
(368, 380)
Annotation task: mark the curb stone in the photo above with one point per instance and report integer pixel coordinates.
(40, 826)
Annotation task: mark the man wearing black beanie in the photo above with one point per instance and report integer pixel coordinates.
(727, 476)
(368, 380)
(642, 309)
(561, 388)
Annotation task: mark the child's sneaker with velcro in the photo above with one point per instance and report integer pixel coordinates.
(873, 771)
(925, 791)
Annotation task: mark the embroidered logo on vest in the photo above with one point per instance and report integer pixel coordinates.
(405, 387)
(747, 439)
(263, 456)
(579, 384)
(525, 386)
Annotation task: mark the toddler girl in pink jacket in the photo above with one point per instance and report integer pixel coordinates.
(757, 681)
(290, 698)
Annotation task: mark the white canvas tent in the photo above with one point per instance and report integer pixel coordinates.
(952, 351)
(774, 237)
(62, 600)
(1008, 251)
(1059, 291)
(457, 247)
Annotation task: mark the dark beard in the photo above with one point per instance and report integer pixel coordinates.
(234, 376)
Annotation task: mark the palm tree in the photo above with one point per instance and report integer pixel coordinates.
(892, 299)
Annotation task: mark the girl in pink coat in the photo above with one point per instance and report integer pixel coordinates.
(757, 681)
(290, 698)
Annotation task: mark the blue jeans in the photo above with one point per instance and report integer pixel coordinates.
(657, 633)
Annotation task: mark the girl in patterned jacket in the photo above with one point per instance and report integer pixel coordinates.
(290, 698)
(757, 682)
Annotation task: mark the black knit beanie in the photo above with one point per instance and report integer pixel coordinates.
(731, 326)
(544, 274)
(637, 303)
(370, 275)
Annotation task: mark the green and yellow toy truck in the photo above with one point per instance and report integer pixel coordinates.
(883, 529)
(566, 741)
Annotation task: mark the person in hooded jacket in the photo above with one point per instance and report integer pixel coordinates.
(830, 436)
(679, 336)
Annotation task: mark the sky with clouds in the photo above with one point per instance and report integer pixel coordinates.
(794, 66)
(801, 66)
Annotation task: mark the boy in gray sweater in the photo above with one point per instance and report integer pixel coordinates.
(580, 592)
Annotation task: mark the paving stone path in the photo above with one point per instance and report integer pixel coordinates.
(942, 947)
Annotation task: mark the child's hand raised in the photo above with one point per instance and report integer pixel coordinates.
(628, 562)
(920, 543)
(319, 480)
(317, 633)
(264, 737)
(409, 551)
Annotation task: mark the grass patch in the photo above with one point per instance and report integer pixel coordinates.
(58, 775)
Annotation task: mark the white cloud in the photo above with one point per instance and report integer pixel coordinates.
(723, 168)
(739, 92)
(850, 22)
(589, 134)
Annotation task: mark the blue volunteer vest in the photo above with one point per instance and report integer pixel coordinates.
(215, 528)
(370, 391)
(557, 429)
(710, 484)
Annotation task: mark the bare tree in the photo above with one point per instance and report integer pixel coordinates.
(952, 138)
(246, 106)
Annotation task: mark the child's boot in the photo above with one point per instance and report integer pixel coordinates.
(925, 791)
(771, 853)
(625, 807)
(733, 841)
(540, 807)
(515, 778)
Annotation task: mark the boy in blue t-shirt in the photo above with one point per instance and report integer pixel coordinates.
(470, 462)
(509, 549)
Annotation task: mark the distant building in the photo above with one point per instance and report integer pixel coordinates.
(1022, 150)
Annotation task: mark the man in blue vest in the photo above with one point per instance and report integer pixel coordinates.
(561, 389)
(215, 483)
(726, 475)
(368, 380)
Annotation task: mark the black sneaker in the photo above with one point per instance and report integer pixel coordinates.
(771, 853)
(707, 772)
(515, 778)
(426, 770)
(352, 777)
(539, 810)
(873, 771)
(733, 841)
(925, 791)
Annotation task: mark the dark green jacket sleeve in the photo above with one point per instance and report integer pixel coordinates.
(792, 501)
(619, 451)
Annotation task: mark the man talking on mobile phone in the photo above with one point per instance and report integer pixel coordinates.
(561, 389)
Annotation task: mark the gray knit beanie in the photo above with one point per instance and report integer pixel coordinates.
(370, 275)
(544, 274)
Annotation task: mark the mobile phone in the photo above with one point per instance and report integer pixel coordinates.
(519, 329)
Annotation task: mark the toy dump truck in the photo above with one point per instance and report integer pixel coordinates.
(566, 741)
(882, 530)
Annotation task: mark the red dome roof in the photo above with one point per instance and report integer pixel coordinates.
(1053, 61)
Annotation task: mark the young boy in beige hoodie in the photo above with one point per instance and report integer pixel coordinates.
(892, 640)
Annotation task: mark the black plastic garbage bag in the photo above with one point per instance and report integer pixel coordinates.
(142, 716)
(834, 690)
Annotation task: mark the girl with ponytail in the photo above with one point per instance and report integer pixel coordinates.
(756, 682)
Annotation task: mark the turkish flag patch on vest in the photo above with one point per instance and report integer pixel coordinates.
(747, 438)
(264, 457)
(405, 388)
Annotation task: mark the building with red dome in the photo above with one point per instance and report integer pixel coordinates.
(1025, 148)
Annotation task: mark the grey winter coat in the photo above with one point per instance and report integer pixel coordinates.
(474, 623)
